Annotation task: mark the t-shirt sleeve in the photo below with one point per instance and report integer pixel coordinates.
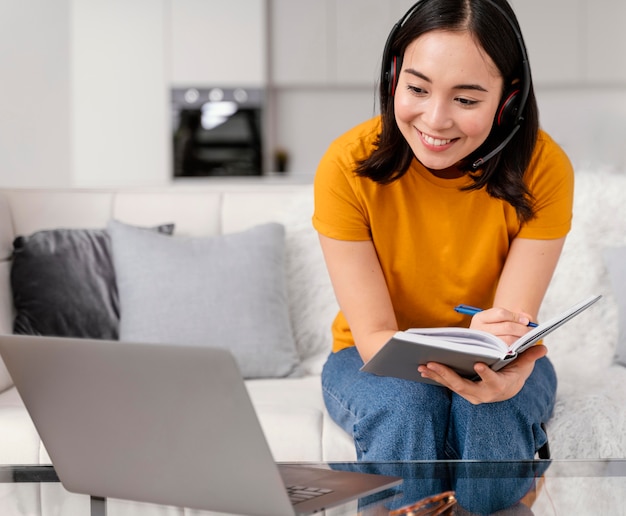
(340, 212)
(551, 182)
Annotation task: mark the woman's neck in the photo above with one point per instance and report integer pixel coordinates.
(447, 173)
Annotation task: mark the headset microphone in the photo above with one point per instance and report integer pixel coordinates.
(481, 161)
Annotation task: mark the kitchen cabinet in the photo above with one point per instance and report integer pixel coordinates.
(218, 42)
(36, 103)
(340, 42)
(360, 39)
(300, 42)
(554, 34)
(606, 42)
(574, 42)
(119, 116)
(86, 85)
(330, 42)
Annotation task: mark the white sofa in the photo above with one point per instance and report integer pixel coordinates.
(590, 416)
(290, 409)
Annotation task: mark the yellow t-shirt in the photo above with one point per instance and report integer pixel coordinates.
(438, 246)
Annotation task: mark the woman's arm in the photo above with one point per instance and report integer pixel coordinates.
(361, 292)
(522, 286)
(527, 273)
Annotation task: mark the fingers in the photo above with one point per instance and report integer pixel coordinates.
(530, 356)
(493, 385)
(443, 375)
(473, 392)
(502, 315)
(503, 323)
(521, 318)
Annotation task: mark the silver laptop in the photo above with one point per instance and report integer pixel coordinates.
(163, 424)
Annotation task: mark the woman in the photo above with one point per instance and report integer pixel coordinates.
(453, 195)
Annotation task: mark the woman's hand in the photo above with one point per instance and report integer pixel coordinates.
(493, 385)
(507, 325)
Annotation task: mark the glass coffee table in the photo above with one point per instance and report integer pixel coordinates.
(540, 487)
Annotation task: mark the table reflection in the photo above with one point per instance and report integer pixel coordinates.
(481, 488)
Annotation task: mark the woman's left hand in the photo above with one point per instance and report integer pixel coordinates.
(493, 385)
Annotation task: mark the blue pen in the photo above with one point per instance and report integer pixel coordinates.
(472, 310)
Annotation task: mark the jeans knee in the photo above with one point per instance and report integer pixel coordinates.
(388, 418)
(493, 431)
(408, 423)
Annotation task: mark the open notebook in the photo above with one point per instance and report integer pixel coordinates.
(459, 348)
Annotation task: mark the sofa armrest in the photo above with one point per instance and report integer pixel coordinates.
(6, 317)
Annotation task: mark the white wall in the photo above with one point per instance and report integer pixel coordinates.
(589, 123)
(83, 93)
(119, 93)
(576, 50)
(308, 119)
(35, 104)
(217, 46)
(85, 83)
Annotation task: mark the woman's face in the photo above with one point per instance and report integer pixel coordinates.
(446, 99)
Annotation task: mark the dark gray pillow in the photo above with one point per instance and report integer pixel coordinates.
(224, 291)
(63, 283)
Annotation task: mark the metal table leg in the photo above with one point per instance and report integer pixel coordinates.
(98, 506)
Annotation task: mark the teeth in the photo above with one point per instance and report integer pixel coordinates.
(435, 141)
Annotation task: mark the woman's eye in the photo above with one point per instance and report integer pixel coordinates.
(416, 89)
(466, 102)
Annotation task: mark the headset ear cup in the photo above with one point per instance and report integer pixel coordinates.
(392, 76)
(507, 112)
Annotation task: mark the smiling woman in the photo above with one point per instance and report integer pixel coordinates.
(452, 195)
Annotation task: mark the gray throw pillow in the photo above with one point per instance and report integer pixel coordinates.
(63, 283)
(225, 291)
(615, 259)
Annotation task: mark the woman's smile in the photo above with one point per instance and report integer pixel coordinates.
(436, 143)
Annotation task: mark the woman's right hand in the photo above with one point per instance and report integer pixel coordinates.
(503, 323)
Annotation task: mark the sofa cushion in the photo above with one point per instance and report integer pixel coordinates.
(591, 338)
(312, 301)
(295, 421)
(225, 291)
(63, 283)
(615, 259)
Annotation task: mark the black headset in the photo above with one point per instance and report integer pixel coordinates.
(511, 108)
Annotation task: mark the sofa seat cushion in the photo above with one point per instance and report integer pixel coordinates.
(295, 420)
(19, 440)
(589, 417)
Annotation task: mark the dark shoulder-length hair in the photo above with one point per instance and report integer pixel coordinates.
(502, 175)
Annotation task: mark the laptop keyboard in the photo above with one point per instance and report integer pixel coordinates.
(303, 493)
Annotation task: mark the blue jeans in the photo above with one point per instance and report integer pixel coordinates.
(394, 419)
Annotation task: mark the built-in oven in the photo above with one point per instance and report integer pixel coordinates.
(217, 131)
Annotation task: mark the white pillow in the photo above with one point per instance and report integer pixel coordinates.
(226, 291)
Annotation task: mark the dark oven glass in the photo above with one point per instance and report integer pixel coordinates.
(217, 131)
